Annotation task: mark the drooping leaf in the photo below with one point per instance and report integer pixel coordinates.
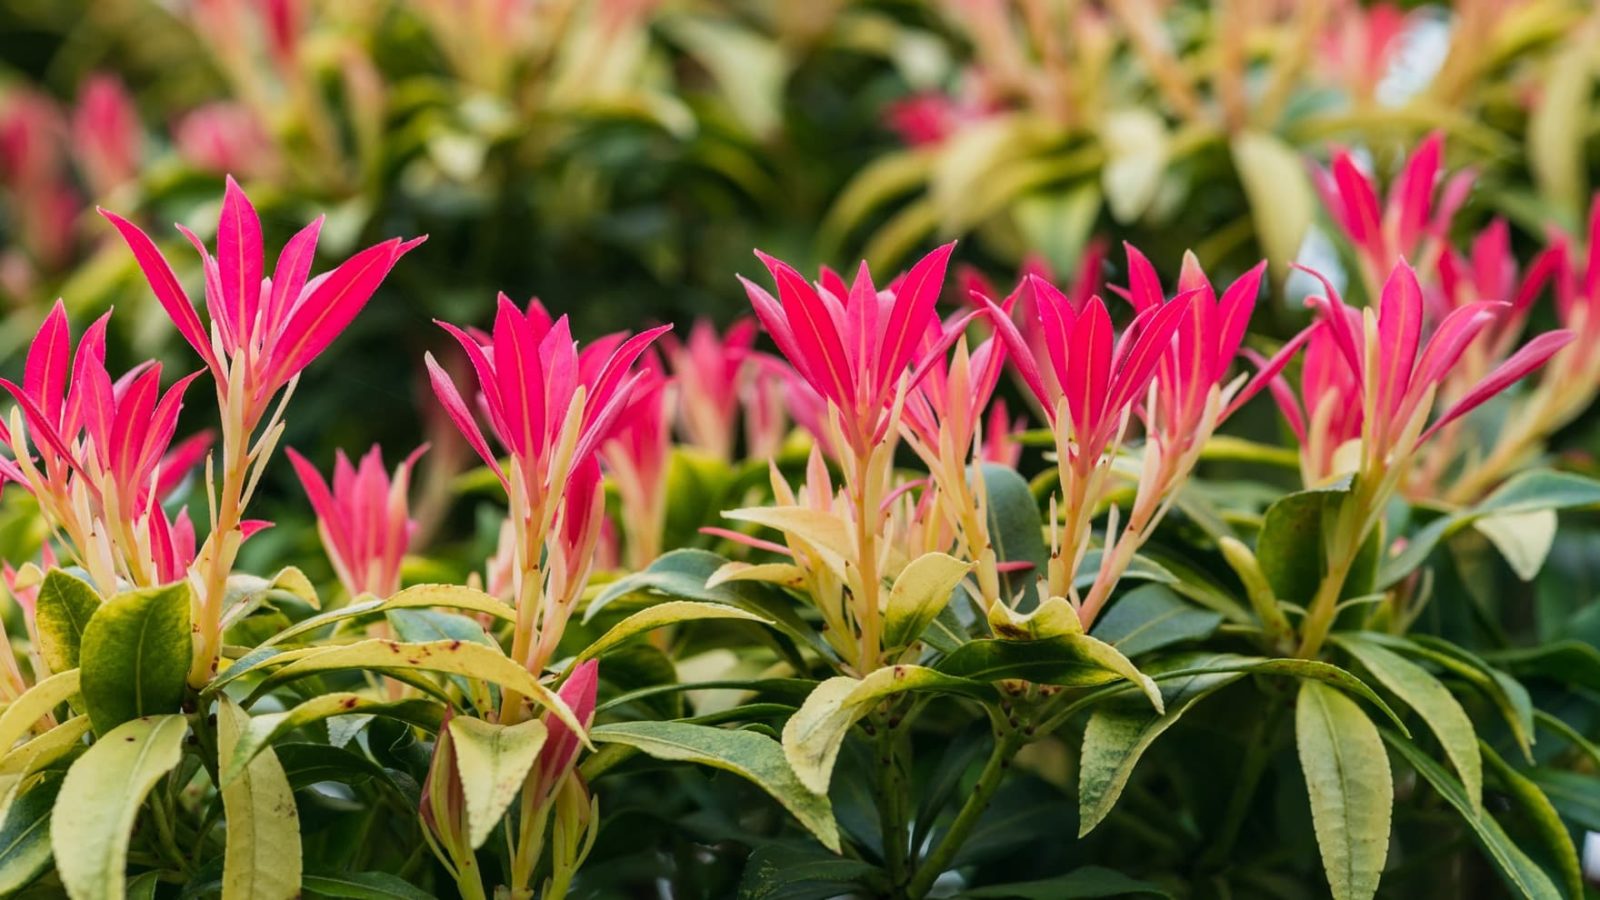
(1118, 735)
(1350, 785)
(1151, 617)
(1522, 874)
(801, 872)
(1432, 701)
(813, 735)
(447, 657)
(920, 592)
(262, 857)
(747, 754)
(94, 814)
(1291, 547)
(1523, 538)
(1074, 660)
(493, 761)
(1542, 815)
(65, 605)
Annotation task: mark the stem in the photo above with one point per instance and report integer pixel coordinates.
(1007, 739)
(867, 552)
(1324, 606)
(220, 557)
(892, 791)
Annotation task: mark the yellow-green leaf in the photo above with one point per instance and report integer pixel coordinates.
(23, 713)
(492, 761)
(93, 816)
(1136, 146)
(1350, 785)
(262, 858)
(919, 593)
(25, 836)
(447, 657)
(824, 532)
(1524, 539)
(1431, 700)
(660, 615)
(136, 655)
(65, 606)
(813, 735)
(422, 596)
(1282, 202)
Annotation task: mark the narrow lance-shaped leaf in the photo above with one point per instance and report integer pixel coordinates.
(1351, 788)
(262, 858)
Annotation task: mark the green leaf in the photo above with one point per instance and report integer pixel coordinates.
(262, 730)
(93, 815)
(1291, 546)
(1350, 785)
(1150, 617)
(750, 70)
(1542, 815)
(25, 836)
(1520, 872)
(1557, 130)
(1074, 660)
(136, 655)
(813, 735)
(262, 858)
(362, 886)
(752, 756)
(1016, 530)
(662, 614)
(1136, 145)
(782, 871)
(684, 575)
(1118, 735)
(1079, 884)
(422, 596)
(1568, 662)
(1432, 701)
(492, 761)
(1524, 539)
(920, 592)
(1526, 492)
(25, 712)
(1282, 203)
(448, 657)
(65, 605)
(1506, 693)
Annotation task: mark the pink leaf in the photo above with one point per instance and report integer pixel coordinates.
(166, 288)
(1533, 355)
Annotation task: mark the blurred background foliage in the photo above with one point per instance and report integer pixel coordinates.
(620, 158)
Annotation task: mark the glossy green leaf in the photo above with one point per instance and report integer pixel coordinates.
(136, 655)
(492, 761)
(1350, 785)
(792, 871)
(661, 615)
(920, 592)
(25, 836)
(752, 756)
(362, 886)
(813, 735)
(1151, 617)
(1291, 552)
(1079, 884)
(65, 606)
(1521, 873)
(1016, 530)
(262, 858)
(93, 816)
(1431, 700)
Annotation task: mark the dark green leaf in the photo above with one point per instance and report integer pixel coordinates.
(1150, 617)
